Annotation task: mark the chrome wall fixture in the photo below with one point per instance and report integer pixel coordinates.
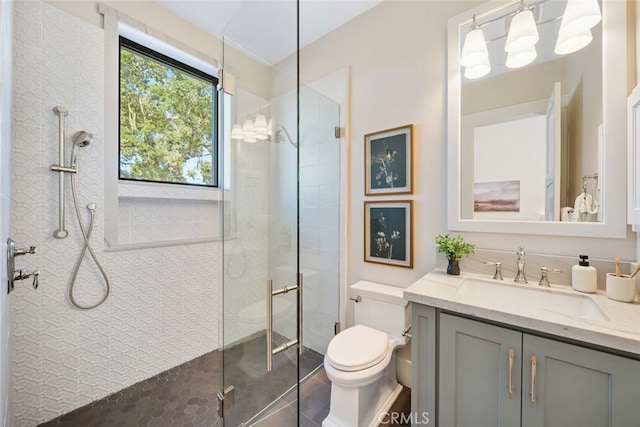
(61, 232)
(270, 294)
(12, 275)
(80, 139)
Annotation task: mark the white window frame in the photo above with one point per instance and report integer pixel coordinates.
(116, 25)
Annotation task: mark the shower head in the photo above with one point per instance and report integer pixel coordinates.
(80, 139)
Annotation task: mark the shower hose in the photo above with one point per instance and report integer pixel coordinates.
(86, 235)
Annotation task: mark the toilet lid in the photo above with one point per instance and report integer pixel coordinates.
(357, 348)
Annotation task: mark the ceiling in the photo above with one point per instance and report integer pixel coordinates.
(266, 29)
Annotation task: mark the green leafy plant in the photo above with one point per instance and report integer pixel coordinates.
(454, 247)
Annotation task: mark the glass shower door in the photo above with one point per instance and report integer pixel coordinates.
(281, 249)
(260, 217)
(280, 203)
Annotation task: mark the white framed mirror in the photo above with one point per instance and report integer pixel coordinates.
(538, 149)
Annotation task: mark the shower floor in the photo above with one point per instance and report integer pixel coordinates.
(185, 395)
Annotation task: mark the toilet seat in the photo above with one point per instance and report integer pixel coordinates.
(357, 348)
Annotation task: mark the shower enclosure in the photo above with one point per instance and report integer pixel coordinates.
(281, 210)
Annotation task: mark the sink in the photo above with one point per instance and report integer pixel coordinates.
(518, 298)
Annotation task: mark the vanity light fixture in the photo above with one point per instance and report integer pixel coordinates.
(575, 33)
(253, 130)
(572, 43)
(474, 50)
(579, 16)
(521, 58)
(475, 55)
(523, 33)
(476, 71)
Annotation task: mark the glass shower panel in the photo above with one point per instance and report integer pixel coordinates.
(281, 219)
(260, 218)
(319, 245)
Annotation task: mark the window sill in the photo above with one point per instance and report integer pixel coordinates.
(154, 190)
(158, 244)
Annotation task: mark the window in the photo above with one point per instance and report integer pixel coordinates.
(168, 126)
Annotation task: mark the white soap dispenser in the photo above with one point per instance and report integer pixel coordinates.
(584, 278)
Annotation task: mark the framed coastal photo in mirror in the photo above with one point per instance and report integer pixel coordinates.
(389, 161)
(388, 229)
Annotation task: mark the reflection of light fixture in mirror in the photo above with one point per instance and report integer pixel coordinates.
(260, 127)
(236, 132)
(579, 15)
(474, 50)
(253, 130)
(249, 131)
(521, 58)
(572, 43)
(523, 32)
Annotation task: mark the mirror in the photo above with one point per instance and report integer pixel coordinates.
(539, 149)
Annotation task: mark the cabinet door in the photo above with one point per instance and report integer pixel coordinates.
(475, 374)
(576, 386)
(423, 355)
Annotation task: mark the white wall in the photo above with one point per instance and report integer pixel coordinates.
(163, 306)
(6, 43)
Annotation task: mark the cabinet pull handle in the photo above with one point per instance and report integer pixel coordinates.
(533, 381)
(510, 373)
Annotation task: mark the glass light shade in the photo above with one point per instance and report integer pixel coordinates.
(523, 32)
(579, 15)
(247, 126)
(521, 58)
(260, 123)
(478, 70)
(573, 43)
(262, 135)
(236, 132)
(474, 50)
(250, 138)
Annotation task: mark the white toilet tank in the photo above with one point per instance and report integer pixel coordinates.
(382, 307)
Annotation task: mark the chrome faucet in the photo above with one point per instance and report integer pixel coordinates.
(544, 276)
(520, 277)
(498, 273)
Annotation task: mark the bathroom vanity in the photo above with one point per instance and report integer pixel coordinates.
(488, 353)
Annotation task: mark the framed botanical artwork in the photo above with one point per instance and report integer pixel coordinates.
(389, 161)
(388, 229)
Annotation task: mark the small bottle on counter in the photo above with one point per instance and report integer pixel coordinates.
(584, 278)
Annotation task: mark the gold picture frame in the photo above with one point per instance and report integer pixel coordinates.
(388, 232)
(389, 161)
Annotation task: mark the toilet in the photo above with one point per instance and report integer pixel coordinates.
(360, 361)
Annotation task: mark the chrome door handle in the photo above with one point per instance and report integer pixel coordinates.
(511, 355)
(298, 341)
(533, 381)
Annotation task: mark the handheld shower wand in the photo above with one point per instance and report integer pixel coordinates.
(82, 139)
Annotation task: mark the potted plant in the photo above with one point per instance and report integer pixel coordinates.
(454, 249)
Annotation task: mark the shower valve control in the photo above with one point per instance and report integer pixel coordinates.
(12, 274)
(24, 274)
(23, 251)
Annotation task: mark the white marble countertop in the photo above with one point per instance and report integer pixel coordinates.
(615, 325)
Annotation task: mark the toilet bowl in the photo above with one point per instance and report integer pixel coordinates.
(360, 361)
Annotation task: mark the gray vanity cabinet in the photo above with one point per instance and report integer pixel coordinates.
(577, 386)
(480, 384)
(474, 372)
